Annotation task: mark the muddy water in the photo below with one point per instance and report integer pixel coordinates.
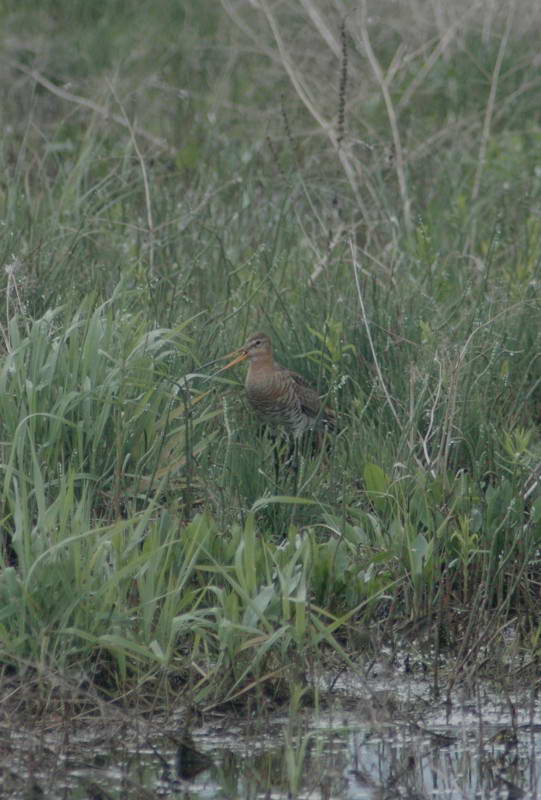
(376, 741)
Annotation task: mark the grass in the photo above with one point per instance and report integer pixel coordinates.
(365, 189)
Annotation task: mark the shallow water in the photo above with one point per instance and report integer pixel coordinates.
(372, 741)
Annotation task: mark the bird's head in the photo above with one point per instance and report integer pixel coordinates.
(257, 345)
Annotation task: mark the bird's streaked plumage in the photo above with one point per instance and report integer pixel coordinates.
(280, 396)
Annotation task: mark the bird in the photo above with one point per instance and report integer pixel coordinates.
(279, 396)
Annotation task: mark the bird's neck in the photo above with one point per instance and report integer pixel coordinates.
(262, 364)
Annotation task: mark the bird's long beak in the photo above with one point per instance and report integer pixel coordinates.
(240, 355)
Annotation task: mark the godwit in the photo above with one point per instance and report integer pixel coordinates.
(279, 396)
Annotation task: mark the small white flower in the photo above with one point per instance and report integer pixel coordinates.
(11, 268)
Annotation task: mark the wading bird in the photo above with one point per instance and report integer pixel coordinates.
(279, 396)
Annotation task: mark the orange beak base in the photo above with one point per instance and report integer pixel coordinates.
(238, 358)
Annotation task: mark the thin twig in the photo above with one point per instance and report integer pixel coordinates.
(148, 204)
(306, 98)
(430, 61)
(83, 102)
(487, 122)
(321, 26)
(356, 268)
(391, 114)
(340, 129)
(452, 392)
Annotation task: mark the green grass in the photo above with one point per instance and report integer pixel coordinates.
(394, 257)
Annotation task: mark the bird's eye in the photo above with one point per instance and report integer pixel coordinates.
(257, 342)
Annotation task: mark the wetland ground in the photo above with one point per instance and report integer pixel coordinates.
(362, 182)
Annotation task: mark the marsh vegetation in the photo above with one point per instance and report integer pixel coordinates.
(361, 181)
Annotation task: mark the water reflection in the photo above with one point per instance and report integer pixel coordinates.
(474, 755)
(379, 764)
